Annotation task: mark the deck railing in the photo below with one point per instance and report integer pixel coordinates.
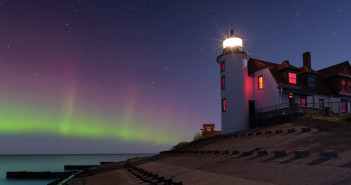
(220, 51)
(331, 107)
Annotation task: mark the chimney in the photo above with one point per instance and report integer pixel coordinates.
(286, 62)
(307, 60)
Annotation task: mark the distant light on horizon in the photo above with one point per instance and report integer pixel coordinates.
(233, 42)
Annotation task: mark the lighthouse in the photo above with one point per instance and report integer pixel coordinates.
(234, 84)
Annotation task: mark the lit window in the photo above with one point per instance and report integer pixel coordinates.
(291, 99)
(312, 81)
(349, 85)
(343, 107)
(223, 82)
(292, 78)
(321, 103)
(260, 82)
(343, 85)
(303, 101)
(222, 66)
(224, 105)
(290, 95)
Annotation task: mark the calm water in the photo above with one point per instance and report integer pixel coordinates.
(50, 163)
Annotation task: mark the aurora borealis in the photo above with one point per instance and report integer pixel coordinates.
(84, 76)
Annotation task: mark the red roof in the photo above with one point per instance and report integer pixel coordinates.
(255, 65)
(342, 69)
(305, 69)
(286, 65)
(277, 71)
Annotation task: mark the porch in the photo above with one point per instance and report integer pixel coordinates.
(287, 112)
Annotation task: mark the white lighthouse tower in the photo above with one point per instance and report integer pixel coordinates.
(234, 84)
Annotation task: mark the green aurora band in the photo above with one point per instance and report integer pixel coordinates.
(19, 120)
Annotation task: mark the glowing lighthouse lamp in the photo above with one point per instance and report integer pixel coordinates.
(233, 43)
(234, 82)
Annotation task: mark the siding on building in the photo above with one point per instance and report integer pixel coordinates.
(269, 95)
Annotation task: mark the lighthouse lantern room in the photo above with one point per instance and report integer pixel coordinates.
(234, 84)
(233, 41)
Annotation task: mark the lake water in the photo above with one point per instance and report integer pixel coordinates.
(51, 163)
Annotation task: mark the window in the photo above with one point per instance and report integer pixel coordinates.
(208, 129)
(291, 99)
(224, 105)
(290, 95)
(311, 81)
(343, 107)
(223, 82)
(321, 103)
(303, 101)
(349, 85)
(343, 85)
(260, 82)
(292, 78)
(222, 66)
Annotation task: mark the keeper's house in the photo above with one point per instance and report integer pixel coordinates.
(254, 90)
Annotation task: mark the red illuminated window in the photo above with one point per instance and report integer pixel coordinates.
(292, 78)
(303, 101)
(343, 85)
(222, 66)
(223, 82)
(349, 85)
(343, 107)
(260, 82)
(224, 105)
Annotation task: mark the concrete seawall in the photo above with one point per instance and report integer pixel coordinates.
(302, 153)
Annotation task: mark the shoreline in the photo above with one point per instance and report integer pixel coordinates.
(52, 163)
(249, 157)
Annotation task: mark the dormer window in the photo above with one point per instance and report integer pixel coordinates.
(292, 78)
(311, 81)
(343, 85)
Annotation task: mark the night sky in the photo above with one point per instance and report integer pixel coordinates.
(80, 76)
